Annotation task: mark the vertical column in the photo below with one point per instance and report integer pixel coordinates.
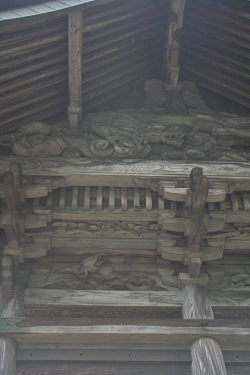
(7, 356)
(10, 308)
(75, 69)
(207, 358)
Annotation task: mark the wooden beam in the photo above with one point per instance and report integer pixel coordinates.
(75, 69)
(174, 33)
(49, 298)
(126, 355)
(132, 333)
(206, 353)
(118, 368)
(78, 172)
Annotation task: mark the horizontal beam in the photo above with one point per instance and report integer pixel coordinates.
(48, 298)
(88, 355)
(82, 172)
(133, 333)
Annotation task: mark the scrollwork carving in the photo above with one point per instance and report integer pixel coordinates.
(108, 229)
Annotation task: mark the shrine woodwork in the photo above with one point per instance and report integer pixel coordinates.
(75, 69)
(206, 353)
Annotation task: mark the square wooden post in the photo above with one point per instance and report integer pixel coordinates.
(75, 69)
(173, 40)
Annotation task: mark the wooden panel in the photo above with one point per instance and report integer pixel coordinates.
(33, 72)
(215, 48)
(123, 44)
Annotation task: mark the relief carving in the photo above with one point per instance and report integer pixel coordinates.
(108, 229)
(139, 134)
(90, 264)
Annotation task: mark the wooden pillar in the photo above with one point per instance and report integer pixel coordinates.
(8, 348)
(173, 41)
(207, 358)
(10, 308)
(75, 69)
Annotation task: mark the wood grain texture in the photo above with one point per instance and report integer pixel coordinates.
(136, 174)
(8, 275)
(196, 303)
(132, 333)
(75, 69)
(104, 368)
(7, 356)
(207, 358)
(77, 298)
(56, 368)
(10, 307)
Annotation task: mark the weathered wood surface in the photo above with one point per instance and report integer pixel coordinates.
(8, 348)
(75, 69)
(56, 368)
(207, 358)
(117, 355)
(133, 333)
(13, 203)
(199, 198)
(171, 58)
(103, 368)
(76, 298)
(9, 307)
(196, 303)
(74, 170)
(8, 275)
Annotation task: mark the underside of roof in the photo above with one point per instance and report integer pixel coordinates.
(123, 44)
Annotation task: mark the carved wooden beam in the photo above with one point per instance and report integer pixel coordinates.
(206, 354)
(174, 33)
(75, 69)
